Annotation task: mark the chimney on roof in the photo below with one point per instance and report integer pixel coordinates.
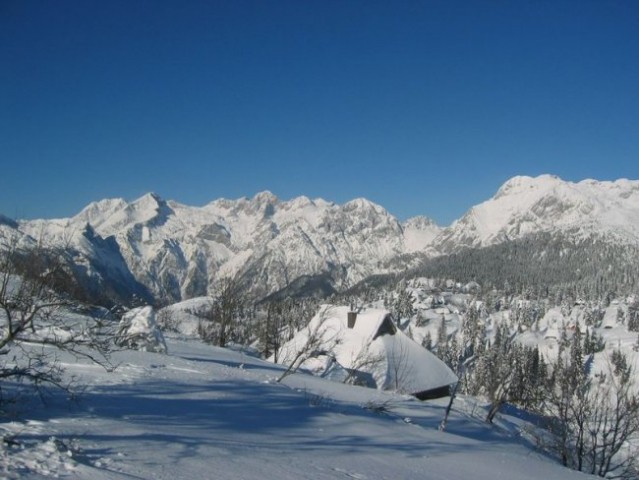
(352, 317)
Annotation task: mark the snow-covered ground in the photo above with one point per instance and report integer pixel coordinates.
(206, 412)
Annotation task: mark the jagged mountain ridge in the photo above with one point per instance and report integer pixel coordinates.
(178, 251)
(175, 251)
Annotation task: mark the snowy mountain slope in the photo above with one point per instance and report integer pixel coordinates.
(525, 205)
(100, 266)
(97, 263)
(206, 412)
(178, 251)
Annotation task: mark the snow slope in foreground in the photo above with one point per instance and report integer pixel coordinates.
(203, 412)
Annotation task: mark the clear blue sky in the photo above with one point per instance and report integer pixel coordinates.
(425, 107)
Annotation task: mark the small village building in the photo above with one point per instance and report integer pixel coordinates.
(611, 316)
(368, 346)
(471, 287)
(551, 323)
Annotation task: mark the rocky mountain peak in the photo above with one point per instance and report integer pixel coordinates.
(362, 204)
(265, 197)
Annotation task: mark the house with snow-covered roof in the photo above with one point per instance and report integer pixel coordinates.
(367, 346)
(611, 315)
(552, 323)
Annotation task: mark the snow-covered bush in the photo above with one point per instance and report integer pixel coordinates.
(138, 330)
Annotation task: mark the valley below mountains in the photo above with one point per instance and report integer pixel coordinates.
(153, 250)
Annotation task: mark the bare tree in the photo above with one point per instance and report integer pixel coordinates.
(399, 367)
(168, 320)
(613, 422)
(273, 329)
(594, 422)
(222, 320)
(364, 360)
(498, 363)
(320, 339)
(38, 311)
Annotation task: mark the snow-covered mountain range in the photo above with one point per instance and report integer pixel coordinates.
(174, 251)
(178, 251)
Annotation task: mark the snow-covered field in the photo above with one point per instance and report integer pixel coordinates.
(203, 412)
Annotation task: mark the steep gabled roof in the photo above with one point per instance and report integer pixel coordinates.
(400, 363)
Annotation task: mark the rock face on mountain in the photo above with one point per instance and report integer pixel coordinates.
(177, 251)
(162, 250)
(526, 205)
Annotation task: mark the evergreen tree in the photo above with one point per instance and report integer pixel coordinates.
(402, 306)
(622, 368)
(633, 314)
(427, 342)
(442, 337)
(576, 353)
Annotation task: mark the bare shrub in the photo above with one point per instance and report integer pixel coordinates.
(320, 339)
(39, 317)
(168, 321)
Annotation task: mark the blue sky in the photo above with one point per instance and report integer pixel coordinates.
(425, 107)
